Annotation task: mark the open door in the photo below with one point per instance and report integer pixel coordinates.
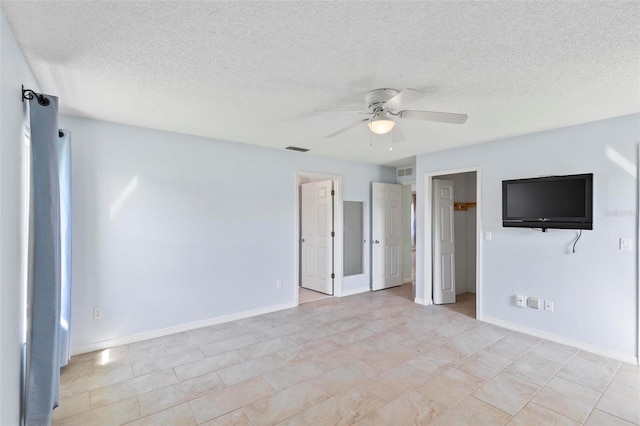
(444, 283)
(317, 236)
(386, 236)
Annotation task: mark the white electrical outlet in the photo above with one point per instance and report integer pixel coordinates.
(521, 301)
(533, 302)
(279, 284)
(97, 313)
(548, 305)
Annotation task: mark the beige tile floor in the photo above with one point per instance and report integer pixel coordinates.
(305, 295)
(368, 359)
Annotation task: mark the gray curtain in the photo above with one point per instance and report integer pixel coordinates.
(64, 170)
(43, 342)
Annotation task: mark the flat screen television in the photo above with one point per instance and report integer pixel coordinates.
(562, 202)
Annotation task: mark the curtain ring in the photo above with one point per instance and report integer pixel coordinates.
(30, 94)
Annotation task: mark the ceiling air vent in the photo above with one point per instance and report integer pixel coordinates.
(405, 172)
(295, 148)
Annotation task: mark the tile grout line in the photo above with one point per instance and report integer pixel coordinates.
(541, 387)
(191, 411)
(603, 392)
(245, 413)
(549, 381)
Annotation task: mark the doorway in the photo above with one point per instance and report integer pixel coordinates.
(408, 288)
(452, 210)
(331, 262)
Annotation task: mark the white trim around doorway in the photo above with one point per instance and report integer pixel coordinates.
(638, 271)
(427, 278)
(337, 225)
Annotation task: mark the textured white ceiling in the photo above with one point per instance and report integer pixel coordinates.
(253, 72)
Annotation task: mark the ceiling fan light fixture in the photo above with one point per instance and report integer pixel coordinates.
(381, 124)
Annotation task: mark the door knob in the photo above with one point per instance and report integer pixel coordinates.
(377, 242)
(302, 240)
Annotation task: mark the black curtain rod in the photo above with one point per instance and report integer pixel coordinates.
(30, 94)
(42, 100)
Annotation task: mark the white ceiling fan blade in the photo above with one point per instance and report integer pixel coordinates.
(403, 98)
(338, 111)
(443, 117)
(397, 135)
(345, 128)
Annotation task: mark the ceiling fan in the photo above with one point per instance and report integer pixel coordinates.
(384, 105)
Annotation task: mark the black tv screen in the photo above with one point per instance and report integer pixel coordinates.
(564, 202)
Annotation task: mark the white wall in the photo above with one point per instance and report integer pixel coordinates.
(595, 289)
(172, 229)
(13, 73)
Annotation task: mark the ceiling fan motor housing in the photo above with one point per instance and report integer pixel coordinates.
(376, 99)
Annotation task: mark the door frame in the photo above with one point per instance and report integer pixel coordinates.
(337, 226)
(637, 269)
(427, 259)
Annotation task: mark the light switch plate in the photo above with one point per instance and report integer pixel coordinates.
(625, 243)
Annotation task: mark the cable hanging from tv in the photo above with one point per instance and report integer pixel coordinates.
(573, 250)
(576, 241)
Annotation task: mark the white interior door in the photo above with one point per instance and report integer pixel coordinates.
(386, 236)
(444, 283)
(316, 218)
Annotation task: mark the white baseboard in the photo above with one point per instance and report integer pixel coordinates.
(421, 301)
(125, 340)
(355, 291)
(563, 340)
